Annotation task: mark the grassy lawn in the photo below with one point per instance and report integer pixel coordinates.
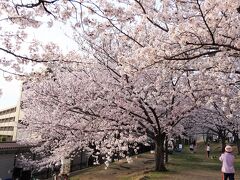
(181, 166)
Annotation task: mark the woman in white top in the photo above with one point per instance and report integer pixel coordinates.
(208, 150)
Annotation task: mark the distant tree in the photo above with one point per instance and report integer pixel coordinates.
(219, 115)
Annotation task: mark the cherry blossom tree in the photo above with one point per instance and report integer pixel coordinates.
(177, 30)
(210, 121)
(219, 114)
(101, 107)
(156, 62)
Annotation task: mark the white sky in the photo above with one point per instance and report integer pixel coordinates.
(11, 93)
(11, 90)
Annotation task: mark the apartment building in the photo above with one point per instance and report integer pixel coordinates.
(8, 123)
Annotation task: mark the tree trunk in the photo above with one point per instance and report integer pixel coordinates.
(166, 150)
(159, 153)
(207, 138)
(223, 141)
(238, 145)
(237, 141)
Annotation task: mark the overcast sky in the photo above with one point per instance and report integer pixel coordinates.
(57, 34)
(11, 93)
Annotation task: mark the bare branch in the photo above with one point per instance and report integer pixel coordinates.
(40, 2)
(150, 20)
(12, 73)
(205, 22)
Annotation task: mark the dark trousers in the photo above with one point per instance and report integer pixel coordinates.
(228, 176)
(208, 153)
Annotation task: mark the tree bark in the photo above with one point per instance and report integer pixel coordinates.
(166, 150)
(223, 141)
(159, 153)
(237, 141)
(238, 145)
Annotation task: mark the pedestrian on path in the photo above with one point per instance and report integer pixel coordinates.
(191, 148)
(227, 159)
(208, 150)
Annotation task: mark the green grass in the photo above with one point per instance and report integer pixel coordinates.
(181, 166)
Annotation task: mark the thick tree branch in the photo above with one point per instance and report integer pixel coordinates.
(40, 2)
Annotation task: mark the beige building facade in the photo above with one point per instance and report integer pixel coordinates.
(9, 118)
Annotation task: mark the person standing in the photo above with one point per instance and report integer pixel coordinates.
(180, 147)
(227, 159)
(191, 148)
(208, 150)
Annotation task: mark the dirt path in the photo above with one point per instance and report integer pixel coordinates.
(181, 167)
(139, 166)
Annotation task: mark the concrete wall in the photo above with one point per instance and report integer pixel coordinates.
(6, 165)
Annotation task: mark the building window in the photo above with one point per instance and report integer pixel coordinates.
(7, 128)
(4, 120)
(8, 111)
